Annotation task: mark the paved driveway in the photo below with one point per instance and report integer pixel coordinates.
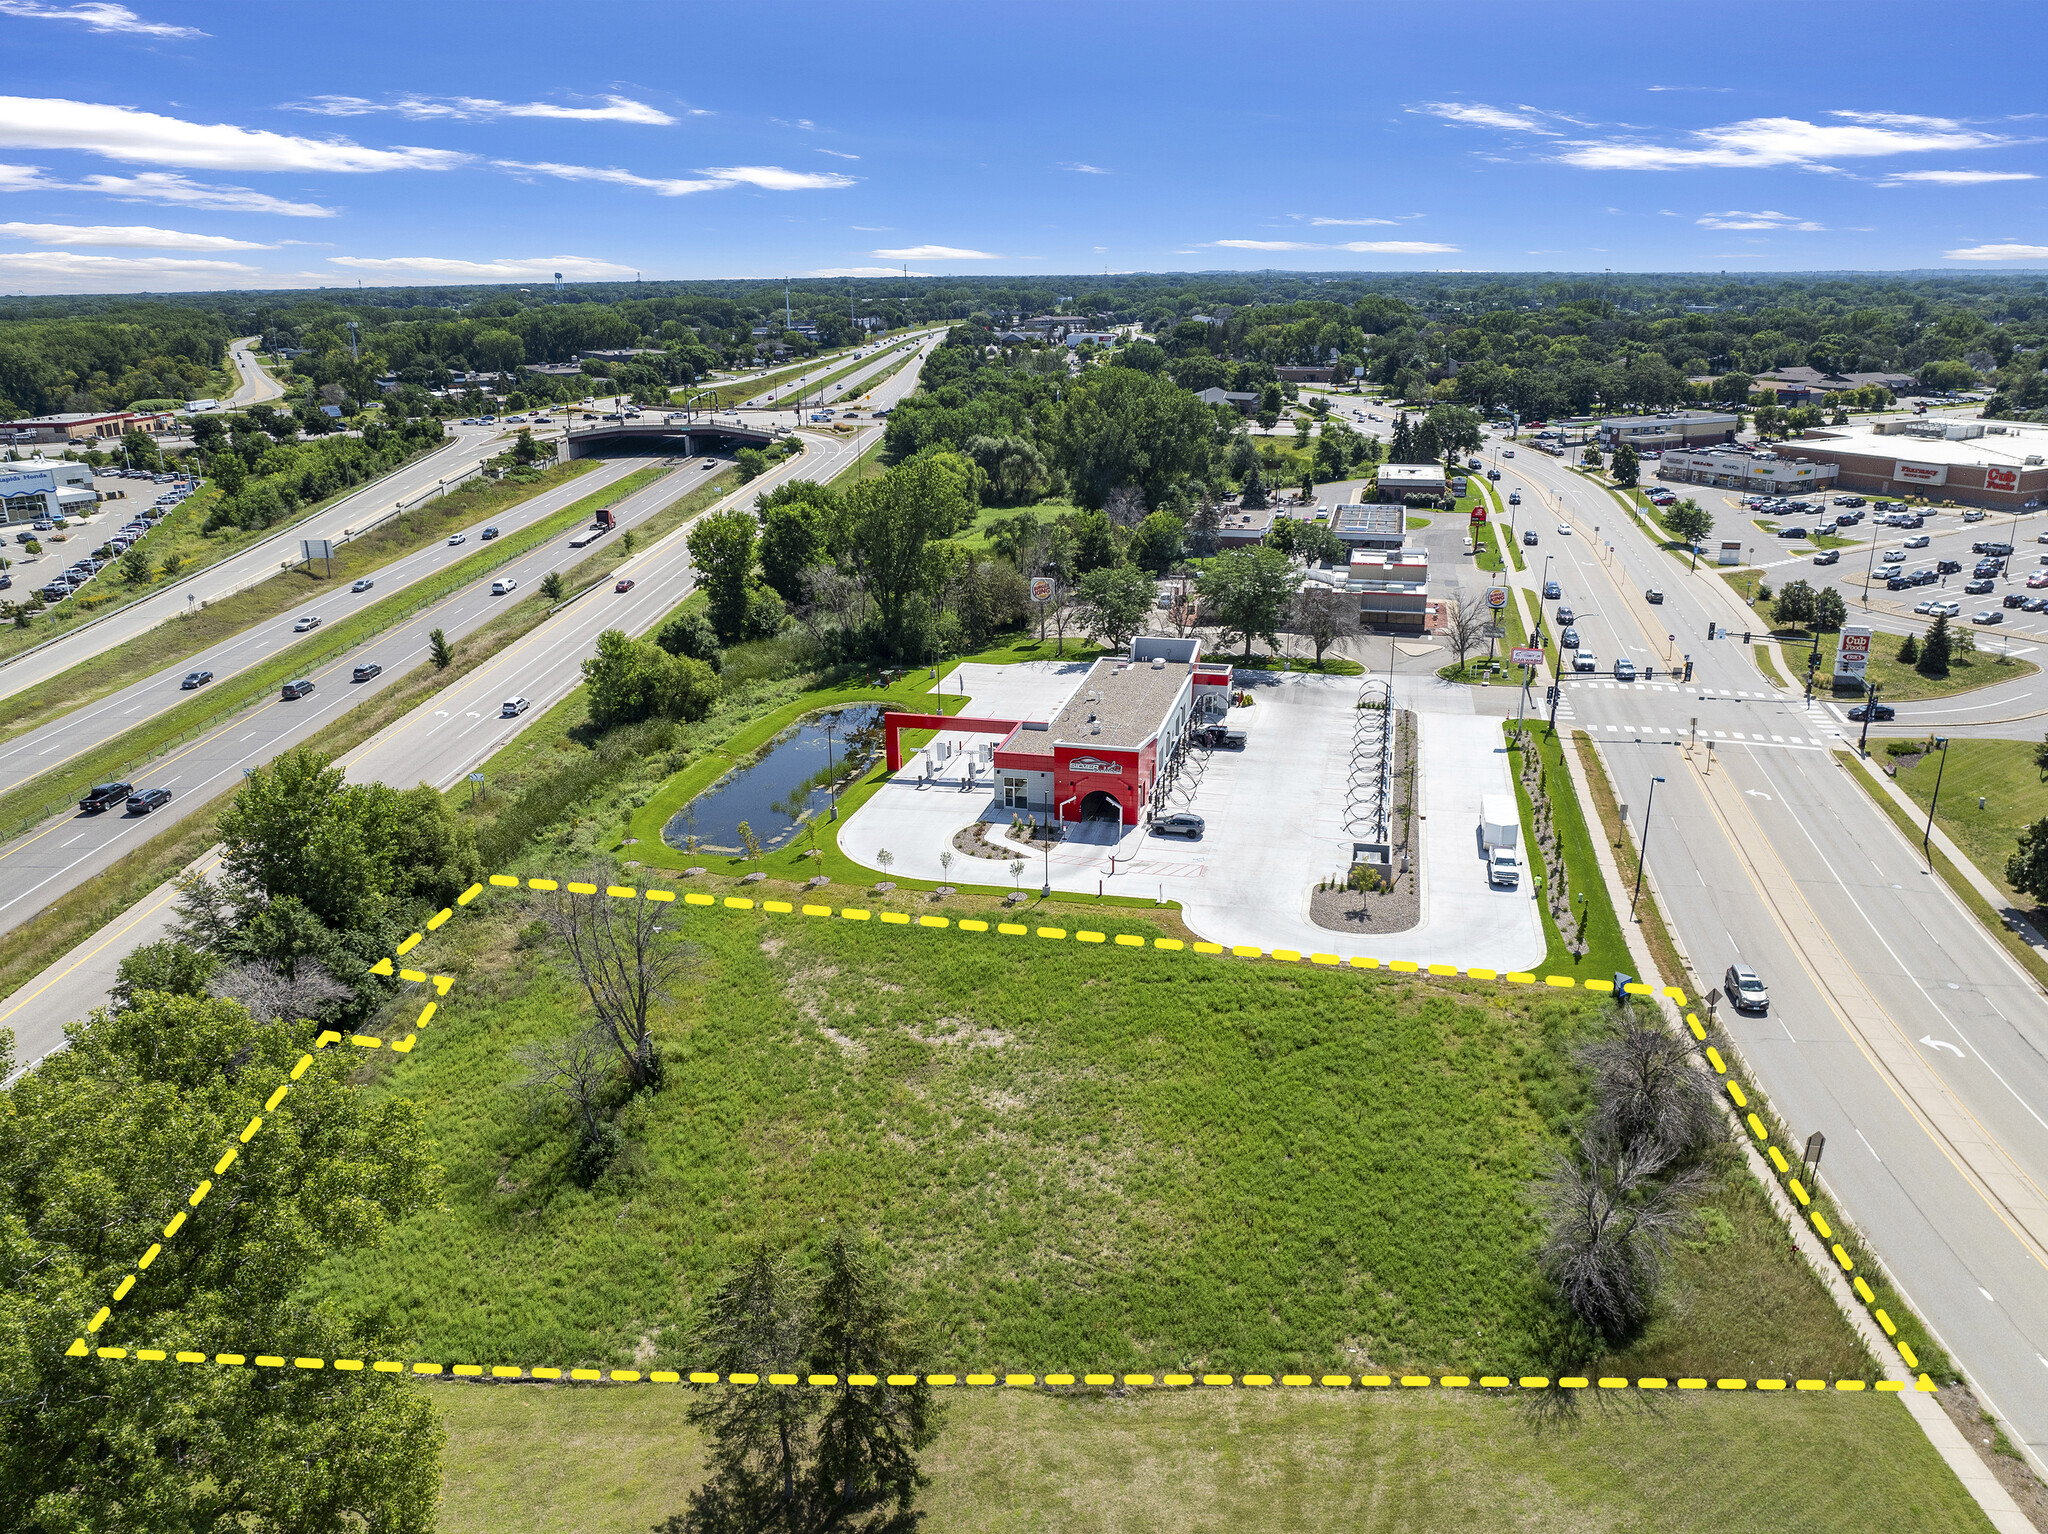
(1275, 825)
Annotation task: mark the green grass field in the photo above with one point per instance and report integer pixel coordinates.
(1898, 683)
(619, 1460)
(1076, 1156)
(2000, 772)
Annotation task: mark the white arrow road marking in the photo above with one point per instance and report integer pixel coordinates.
(1757, 793)
(1934, 1043)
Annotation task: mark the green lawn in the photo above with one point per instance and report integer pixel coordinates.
(2001, 773)
(618, 1460)
(1898, 683)
(1076, 1156)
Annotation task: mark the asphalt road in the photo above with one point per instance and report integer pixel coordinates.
(438, 742)
(1942, 1071)
(257, 386)
(468, 446)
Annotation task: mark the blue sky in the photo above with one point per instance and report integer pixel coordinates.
(171, 145)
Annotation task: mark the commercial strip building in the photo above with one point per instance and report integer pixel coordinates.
(85, 426)
(1392, 588)
(45, 487)
(2002, 465)
(1104, 755)
(1755, 470)
(1676, 428)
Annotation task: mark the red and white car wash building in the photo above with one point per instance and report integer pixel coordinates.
(1104, 754)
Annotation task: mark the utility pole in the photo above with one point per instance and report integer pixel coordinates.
(1643, 851)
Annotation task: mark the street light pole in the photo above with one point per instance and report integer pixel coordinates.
(1928, 835)
(1869, 711)
(1643, 850)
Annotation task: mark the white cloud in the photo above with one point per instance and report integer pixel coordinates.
(520, 269)
(122, 133)
(861, 271)
(837, 154)
(63, 271)
(161, 187)
(803, 123)
(769, 177)
(774, 178)
(1357, 247)
(1957, 177)
(622, 109)
(1086, 170)
(124, 236)
(1320, 222)
(1784, 141)
(937, 253)
(1764, 220)
(1472, 114)
(97, 16)
(1999, 253)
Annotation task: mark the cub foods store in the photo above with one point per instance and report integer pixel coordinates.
(2001, 468)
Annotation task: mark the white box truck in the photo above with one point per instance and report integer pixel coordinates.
(1500, 831)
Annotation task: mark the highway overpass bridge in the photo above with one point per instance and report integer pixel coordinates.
(676, 432)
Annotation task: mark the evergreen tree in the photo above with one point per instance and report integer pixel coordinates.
(1936, 649)
(1909, 649)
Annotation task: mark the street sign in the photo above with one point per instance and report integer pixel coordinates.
(1041, 588)
(476, 777)
(1527, 656)
(1497, 598)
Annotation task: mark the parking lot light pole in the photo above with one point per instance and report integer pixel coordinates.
(1941, 744)
(1643, 850)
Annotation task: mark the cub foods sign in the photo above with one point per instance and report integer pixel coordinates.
(1854, 654)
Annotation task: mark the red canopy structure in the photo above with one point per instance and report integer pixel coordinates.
(893, 724)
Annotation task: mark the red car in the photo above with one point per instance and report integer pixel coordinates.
(623, 586)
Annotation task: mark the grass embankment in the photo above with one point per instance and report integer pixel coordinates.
(188, 633)
(2002, 774)
(618, 1460)
(49, 792)
(1075, 1154)
(178, 534)
(1914, 827)
(1899, 682)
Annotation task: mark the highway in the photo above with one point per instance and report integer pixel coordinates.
(257, 386)
(1898, 1026)
(467, 447)
(438, 742)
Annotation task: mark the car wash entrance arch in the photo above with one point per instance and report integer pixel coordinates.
(1101, 804)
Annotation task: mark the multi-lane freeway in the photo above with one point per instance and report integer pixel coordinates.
(1898, 1027)
(437, 742)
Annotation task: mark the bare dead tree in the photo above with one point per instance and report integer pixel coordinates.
(1318, 615)
(1466, 623)
(576, 1073)
(1612, 1218)
(1126, 506)
(625, 961)
(271, 995)
(1648, 1090)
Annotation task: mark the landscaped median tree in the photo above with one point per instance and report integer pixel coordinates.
(100, 1146)
(2027, 869)
(1626, 466)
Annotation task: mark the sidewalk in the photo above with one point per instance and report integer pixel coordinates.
(1948, 1441)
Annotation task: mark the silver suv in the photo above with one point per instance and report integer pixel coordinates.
(1741, 986)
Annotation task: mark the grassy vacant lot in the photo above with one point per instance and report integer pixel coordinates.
(612, 1460)
(1076, 1155)
(2000, 772)
(185, 634)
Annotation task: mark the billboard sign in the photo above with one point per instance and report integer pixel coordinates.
(1526, 656)
(1853, 656)
(2001, 479)
(1041, 588)
(1907, 473)
(311, 549)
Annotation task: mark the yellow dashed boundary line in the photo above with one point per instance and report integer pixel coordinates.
(444, 983)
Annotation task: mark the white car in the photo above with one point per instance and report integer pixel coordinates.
(1944, 609)
(458, 538)
(513, 708)
(1918, 541)
(504, 585)
(306, 624)
(1564, 529)
(1891, 557)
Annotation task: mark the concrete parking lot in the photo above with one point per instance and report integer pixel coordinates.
(1274, 814)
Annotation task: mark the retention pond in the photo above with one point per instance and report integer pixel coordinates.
(782, 785)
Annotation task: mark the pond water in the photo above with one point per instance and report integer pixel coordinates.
(783, 785)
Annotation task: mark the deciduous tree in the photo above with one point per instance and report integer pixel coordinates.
(1245, 593)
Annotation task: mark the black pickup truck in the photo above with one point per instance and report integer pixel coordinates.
(105, 796)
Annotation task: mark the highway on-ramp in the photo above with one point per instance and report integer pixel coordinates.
(257, 386)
